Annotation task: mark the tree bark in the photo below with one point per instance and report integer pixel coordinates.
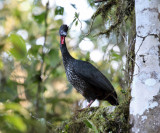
(145, 102)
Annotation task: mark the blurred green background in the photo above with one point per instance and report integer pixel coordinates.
(35, 95)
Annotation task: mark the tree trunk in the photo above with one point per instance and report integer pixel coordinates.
(145, 102)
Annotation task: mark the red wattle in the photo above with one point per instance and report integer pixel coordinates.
(62, 39)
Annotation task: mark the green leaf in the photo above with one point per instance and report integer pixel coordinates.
(34, 50)
(115, 56)
(59, 10)
(89, 124)
(39, 18)
(74, 20)
(1, 64)
(16, 121)
(52, 58)
(76, 15)
(18, 49)
(123, 91)
(91, 2)
(1, 47)
(76, 23)
(18, 108)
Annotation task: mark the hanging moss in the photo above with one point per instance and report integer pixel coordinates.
(99, 120)
(104, 9)
(123, 9)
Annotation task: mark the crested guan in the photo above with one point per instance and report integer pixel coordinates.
(85, 78)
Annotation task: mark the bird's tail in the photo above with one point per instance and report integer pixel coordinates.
(112, 98)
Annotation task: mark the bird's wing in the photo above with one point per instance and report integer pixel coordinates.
(92, 75)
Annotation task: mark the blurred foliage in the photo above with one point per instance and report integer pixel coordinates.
(34, 93)
(18, 50)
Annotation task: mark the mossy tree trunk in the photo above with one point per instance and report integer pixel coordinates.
(145, 103)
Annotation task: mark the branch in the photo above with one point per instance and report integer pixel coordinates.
(97, 1)
(107, 32)
(105, 7)
(39, 90)
(39, 119)
(89, 31)
(45, 38)
(58, 64)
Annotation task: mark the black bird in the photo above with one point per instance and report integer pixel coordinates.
(87, 80)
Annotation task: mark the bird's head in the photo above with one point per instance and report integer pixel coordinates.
(63, 30)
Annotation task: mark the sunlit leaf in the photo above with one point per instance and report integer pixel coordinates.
(17, 13)
(18, 108)
(18, 49)
(59, 10)
(115, 56)
(1, 64)
(16, 121)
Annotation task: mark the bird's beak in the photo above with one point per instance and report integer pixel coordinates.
(63, 33)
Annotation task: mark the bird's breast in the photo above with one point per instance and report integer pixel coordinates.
(79, 84)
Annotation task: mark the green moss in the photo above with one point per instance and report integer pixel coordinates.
(98, 120)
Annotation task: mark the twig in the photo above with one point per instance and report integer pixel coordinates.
(39, 90)
(45, 38)
(107, 32)
(97, 1)
(136, 65)
(47, 122)
(89, 31)
(58, 64)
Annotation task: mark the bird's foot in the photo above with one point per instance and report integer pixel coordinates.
(80, 110)
(90, 103)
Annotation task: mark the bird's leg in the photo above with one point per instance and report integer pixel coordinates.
(90, 103)
(87, 105)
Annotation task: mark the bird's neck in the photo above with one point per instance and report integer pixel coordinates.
(65, 54)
